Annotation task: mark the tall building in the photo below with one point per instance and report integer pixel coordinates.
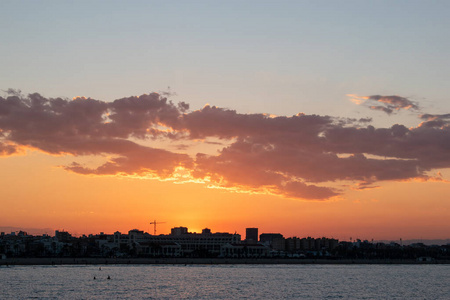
(251, 235)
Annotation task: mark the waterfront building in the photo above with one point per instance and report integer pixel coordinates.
(62, 236)
(192, 243)
(137, 243)
(267, 238)
(251, 235)
(179, 242)
(234, 250)
(169, 249)
(293, 244)
(279, 244)
(179, 231)
(121, 239)
(307, 243)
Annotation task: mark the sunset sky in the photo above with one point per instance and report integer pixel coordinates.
(307, 118)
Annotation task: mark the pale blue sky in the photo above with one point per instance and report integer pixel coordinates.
(279, 57)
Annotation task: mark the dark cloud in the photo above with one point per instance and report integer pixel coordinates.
(302, 156)
(435, 120)
(226, 124)
(365, 120)
(138, 160)
(434, 117)
(387, 104)
(395, 102)
(382, 108)
(85, 126)
(256, 166)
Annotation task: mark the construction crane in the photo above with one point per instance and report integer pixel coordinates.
(154, 225)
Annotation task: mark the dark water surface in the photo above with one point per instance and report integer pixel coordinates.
(226, 282)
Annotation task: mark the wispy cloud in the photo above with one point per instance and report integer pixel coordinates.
(295, 157)
(389, 104)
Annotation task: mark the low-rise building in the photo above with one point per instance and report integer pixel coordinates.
(206, 243)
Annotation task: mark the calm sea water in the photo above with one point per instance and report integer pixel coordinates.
(226, 282)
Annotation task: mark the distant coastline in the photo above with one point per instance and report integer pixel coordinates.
(205, 261)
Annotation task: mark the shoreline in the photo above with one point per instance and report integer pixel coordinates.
(207, 261)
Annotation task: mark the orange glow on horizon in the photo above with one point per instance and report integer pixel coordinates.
(92, 204)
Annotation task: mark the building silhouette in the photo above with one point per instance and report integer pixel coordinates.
(251, 235)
